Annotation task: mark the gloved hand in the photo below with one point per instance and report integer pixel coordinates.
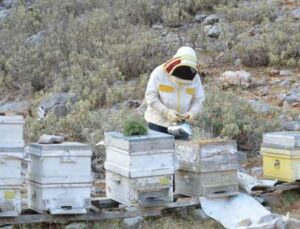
(189, 116)
(173, 116)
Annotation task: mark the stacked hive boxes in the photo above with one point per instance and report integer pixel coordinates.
(207, 168)
(139, 169)
(281, 156)
(11, 156)
(59, 177)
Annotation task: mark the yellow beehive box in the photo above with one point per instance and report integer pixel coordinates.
(281, 163)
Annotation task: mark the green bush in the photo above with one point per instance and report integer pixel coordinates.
(225, 114)
(135, 127)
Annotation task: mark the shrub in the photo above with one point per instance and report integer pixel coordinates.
(135, 127)
(225, 114)
(253, 52)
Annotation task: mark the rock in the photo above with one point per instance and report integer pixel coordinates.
(199, 18)
(211, 19)
(296, 13)
(36, 38)
(293, 98)
(237, 78)
(260, 107)
(157, 27)
(285, 73)
(291, 125)
(214, 31)
(50, 139)
(6, 3)
(3, 14)
(285, 83)
(133, 103)
(56, 103)
(76, 226)
(133, 223)
(17, 107)
(274, 72)
(199, 213)
(274, 200)
(264, 91)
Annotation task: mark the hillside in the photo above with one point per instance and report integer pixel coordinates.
(80, 68)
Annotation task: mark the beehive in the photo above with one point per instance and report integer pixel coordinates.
(206, 167)
(10, 200)
(11, 131)
(59, 177)
(68, 162)
(71, 198)
(139, 169)
(11, 157)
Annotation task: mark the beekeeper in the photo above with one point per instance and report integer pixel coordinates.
(174, 92)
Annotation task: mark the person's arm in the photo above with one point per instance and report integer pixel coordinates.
(197, 102)
(152, 96)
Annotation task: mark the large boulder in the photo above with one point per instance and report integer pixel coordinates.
(35, 38)
(56, 103)
(259, 106)
(214, 31)
(236, 78)
(211, 19)
(3, 14)
(15, 107)
(296, 13)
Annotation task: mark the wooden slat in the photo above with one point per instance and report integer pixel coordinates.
(101, 215)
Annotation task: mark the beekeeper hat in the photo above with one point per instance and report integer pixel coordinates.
(185, 56)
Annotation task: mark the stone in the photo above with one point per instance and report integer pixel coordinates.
(133, 103)
(274, 72)
(293, 98)
(259, 106)
(285, 73)
(133, 223)
(17, 107)
(214, 31)
(296, 13)
(36, 38)
(3, 14)
(211, 19)
(157, 27)
(6, 3)
(50, 139)
(291, 125)
(236, 78)
(199, 18)
(56, 103)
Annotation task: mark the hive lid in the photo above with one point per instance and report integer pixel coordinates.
(153, 141)
(152, 135)
(12, 119)
(282, 139)
(62, 146)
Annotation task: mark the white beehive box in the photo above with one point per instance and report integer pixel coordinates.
(140, 156)
(68, 162)
(11, 166)
(59, 198)
(10, 201)
(144, 191)
(11, 131)
(207, 155)
(289, 139)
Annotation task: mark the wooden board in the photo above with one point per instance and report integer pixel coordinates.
(107, 210)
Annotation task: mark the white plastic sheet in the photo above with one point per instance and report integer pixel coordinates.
(241, 211)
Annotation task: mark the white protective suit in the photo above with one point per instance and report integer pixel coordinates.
(166, 92)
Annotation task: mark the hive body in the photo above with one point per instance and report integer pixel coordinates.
(139, 169)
